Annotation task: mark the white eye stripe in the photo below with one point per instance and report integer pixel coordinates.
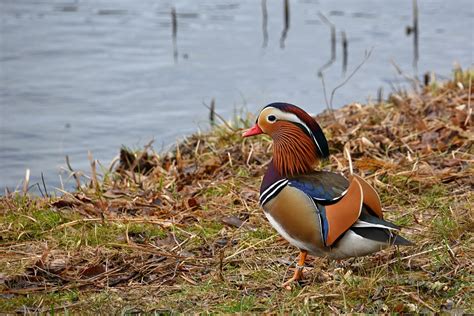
(287, 116)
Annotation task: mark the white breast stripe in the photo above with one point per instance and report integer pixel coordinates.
(270, 188)
(274, 192)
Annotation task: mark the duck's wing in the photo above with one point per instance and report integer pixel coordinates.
(371, 197)
(322, 186)
(339, 202)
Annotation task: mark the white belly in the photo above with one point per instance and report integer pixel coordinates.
(350, 245)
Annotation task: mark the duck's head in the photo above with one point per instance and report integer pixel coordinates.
(298, 140)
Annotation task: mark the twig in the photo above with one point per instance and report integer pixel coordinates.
(419, 300)
(220, 118)
(247, 162)
(221, 264)
(347, 153)
(380, 95)
(366, 57)
(95, 180)
(39, 188)
(113, 162)
(185, 278)
(120, 220)
(451, 252)
(414, 80)
(469, 109)
(78, 181)
(321, 75)
(416, 254)
(44, 185)
(212, 113)
(242, 249)
(26, 182)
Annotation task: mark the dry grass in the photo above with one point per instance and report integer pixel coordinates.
(184, 232)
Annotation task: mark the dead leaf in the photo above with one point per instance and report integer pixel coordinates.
(232, 221)
(93, 271)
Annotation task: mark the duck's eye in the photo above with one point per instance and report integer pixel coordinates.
(271, 118)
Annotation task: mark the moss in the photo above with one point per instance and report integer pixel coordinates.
(261, 233)
(219, 190)
(244, 304)
(32, 225)
(147, 231)
(95, 234)
(261, 275)
(444, 224)
(207, 229)
(43, 302)
(404, 221)
(242, 172)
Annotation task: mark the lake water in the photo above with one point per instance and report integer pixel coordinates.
(92, 75)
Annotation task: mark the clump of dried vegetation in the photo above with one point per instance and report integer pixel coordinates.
(183, 232)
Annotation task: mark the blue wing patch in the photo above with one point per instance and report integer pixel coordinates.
(318, 193)
(322, 186)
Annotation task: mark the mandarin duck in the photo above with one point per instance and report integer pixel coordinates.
(322, 213)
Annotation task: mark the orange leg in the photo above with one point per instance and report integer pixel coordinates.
(298, 271)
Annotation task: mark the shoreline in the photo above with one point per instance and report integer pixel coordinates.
(184, 232)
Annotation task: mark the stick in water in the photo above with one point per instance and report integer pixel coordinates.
(26, 182)
(333, 44)
(174, 25)
(264, 23)
(345, 53)
(286, 20)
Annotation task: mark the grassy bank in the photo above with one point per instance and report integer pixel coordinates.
(184, 232)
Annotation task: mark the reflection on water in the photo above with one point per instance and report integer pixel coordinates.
(332, 58)
(264, 23)
(286, 23)
(96, 74)
(174, 33)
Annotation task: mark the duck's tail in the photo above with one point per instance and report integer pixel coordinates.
(378, 229)
(399, 240)
(382, 235)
